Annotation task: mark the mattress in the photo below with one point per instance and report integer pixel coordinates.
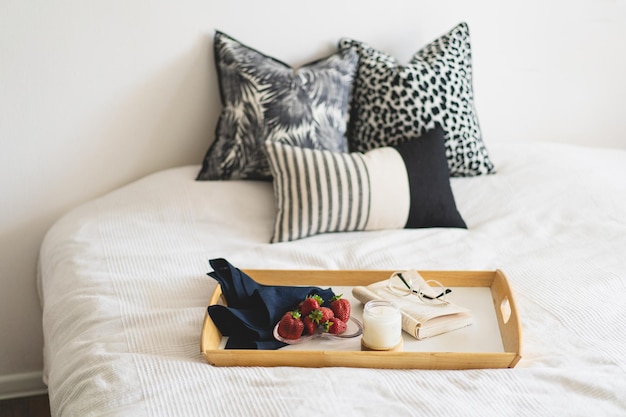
(124, 291)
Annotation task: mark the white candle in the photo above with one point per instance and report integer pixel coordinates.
(382, 325)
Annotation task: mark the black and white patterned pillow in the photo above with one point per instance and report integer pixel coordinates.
(405, 186)
(392, 102)
(266, 99)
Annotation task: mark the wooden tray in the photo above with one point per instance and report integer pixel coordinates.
(503, 305)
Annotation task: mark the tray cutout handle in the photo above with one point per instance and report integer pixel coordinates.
(508, 319)
(505, 309)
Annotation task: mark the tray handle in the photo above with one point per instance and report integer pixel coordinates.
(508, 318)
(211, 336)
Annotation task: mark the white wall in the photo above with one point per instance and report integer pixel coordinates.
(94, 94)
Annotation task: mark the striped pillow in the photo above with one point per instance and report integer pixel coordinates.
(320, 191)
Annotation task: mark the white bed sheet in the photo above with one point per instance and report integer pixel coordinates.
(124, 292)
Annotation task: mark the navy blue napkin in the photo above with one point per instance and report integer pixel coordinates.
(253, 309)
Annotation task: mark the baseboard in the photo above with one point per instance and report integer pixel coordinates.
(22, 385)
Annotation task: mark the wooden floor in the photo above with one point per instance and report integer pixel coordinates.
(37, 406)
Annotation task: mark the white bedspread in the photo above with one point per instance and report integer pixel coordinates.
(124, 292)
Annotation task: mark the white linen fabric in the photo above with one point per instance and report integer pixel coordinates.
(124, 292)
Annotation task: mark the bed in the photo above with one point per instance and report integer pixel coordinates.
(124, 290)
(123, 278)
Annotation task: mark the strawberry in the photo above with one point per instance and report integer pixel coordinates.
(310, 303)
(335, 326)
(327, 313)
(321, 315)
(316, 316)
(290, 326)
(341, 307)
(309, 325)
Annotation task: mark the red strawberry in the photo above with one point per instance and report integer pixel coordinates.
(327, 313)
(309, 325)
(310, 303)
(335, 326)
(341, 307)
(290, 326)
(316, 316)
(321, 315)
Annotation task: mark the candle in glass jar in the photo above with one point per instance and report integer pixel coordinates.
(382, 325)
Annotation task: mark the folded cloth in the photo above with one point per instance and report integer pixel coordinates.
(253, 309)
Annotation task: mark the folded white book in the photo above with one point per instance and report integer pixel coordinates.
(419, 319)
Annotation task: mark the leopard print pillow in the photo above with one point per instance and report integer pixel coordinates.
(392, 103)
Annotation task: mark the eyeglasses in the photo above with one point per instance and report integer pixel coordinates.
(410, 282)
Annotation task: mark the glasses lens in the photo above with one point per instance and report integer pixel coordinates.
(433, 292)
(400, 284)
